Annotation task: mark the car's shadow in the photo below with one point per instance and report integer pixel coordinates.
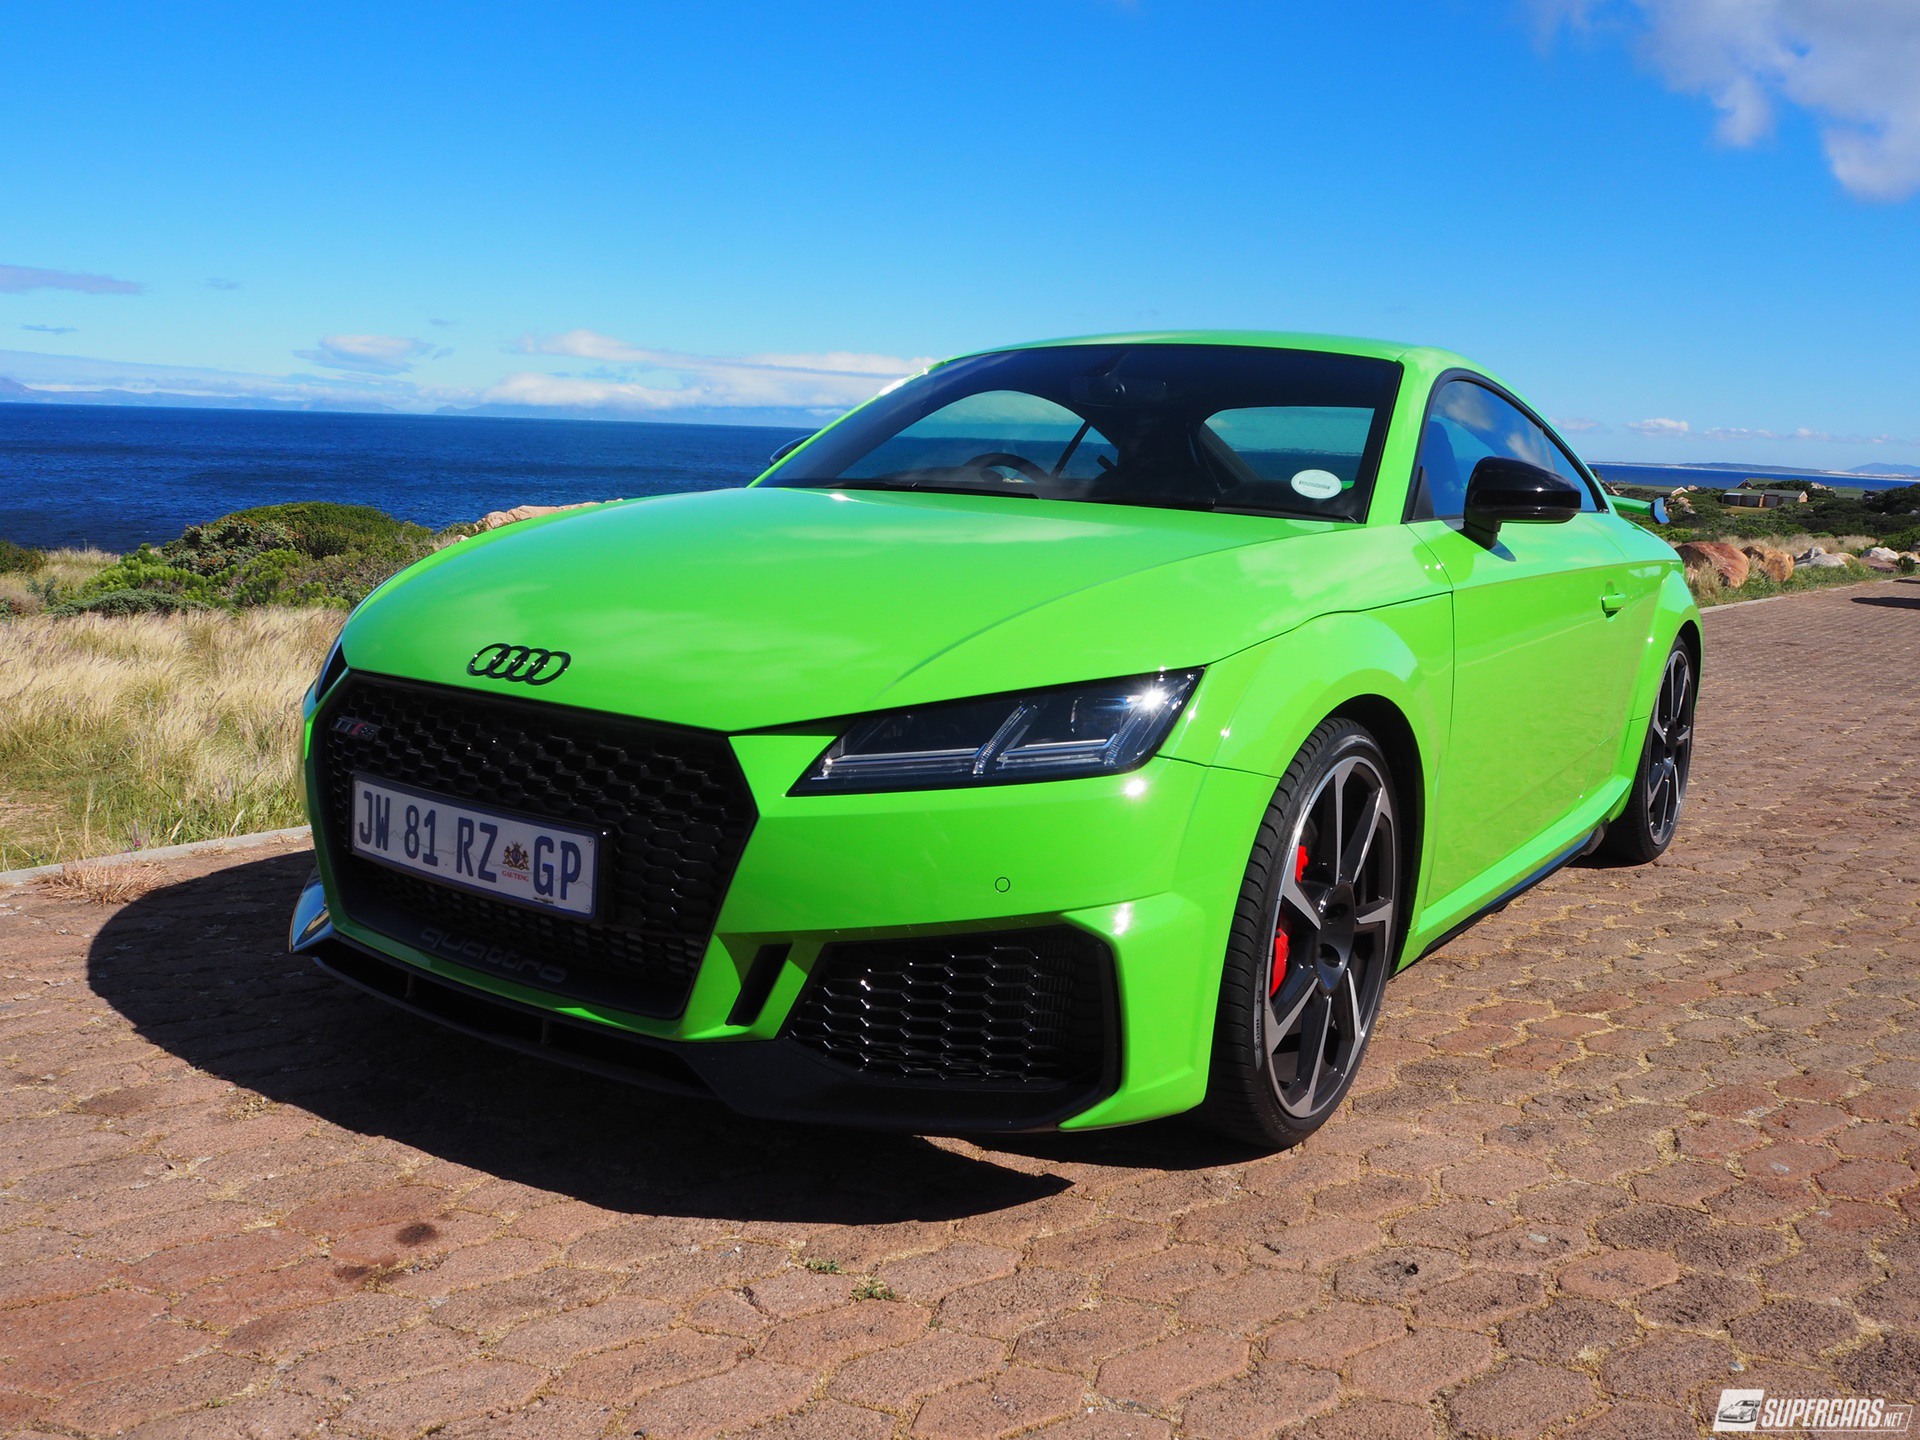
(201, 969)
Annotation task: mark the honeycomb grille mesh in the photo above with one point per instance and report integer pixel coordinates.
(675, 807)
(1021, 1007)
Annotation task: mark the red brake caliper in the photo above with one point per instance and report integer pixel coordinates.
(1280, 930)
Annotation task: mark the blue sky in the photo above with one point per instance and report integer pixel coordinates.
(1646, 214)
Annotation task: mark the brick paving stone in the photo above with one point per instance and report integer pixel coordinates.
(1016, 1399)
(619, 1377)
(1519, 1400)
(753, 1391)
(1645, 1132)
(1081, 1339)
(408, 1407)
(895, 1379)
(1156, 1375)
(1420, 1364)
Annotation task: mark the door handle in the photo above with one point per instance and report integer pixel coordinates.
(1613, 601)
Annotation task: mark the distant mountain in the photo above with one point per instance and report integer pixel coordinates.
(13, 392)
(741, 416)
(1908, 470)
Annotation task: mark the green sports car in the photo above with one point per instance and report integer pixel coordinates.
(1075, 734)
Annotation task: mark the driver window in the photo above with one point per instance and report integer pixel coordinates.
(1467, 423)
(1004, 423)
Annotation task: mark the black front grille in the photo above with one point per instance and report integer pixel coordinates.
(1016, 1007)
(672, 804)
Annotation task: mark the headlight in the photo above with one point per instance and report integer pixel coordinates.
(1098, 729)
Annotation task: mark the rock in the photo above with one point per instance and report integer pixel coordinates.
(1879, 552)
(1818, 559)
(1716, 555)
(1771, 561)
(494, 519)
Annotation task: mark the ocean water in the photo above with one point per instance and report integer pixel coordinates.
(114, 476)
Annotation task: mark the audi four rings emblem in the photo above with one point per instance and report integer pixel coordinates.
(527, 664)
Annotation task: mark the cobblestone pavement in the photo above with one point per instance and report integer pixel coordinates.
(1647, 1134)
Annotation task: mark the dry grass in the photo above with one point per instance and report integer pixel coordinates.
(66, 570)
(103, 884)
(131, 732)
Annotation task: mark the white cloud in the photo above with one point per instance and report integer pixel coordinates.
(1660, 425)
(370, 354)
(1574, 425)
(18, 279)
(1854, 65)
(52, 329)
(639, 377)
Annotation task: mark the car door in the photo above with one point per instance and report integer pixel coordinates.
(1542, 664)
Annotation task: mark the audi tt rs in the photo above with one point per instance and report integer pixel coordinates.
(1076, 733)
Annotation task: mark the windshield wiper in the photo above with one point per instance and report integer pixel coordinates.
(926, 487)
(1152, 502)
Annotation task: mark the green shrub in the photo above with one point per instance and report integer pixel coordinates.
(1902, 500)
(128, 602)
(222, 547)
(146, 570)
(20, 559)
(304, 554)
(1908, 539)
(320, 528)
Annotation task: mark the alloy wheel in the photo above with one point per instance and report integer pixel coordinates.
(1332, 937)
(1670, 747)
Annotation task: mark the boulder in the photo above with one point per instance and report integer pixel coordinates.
(494, 519)
(1818, 559)
(1879, 552)
(1718, 556)
(1771, 561)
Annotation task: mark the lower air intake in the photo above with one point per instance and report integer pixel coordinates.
(1009, 1008)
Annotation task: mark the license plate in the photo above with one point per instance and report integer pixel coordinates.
(520, 858)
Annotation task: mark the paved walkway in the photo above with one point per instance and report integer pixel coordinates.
(1648, 1134)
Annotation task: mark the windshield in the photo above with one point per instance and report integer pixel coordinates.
(1239, 428)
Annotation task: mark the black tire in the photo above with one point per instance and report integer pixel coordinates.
(1315, 936)
(1646, 827)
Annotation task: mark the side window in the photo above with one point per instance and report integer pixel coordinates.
(1467, 423)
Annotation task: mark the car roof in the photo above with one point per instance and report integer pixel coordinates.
(1421, 357)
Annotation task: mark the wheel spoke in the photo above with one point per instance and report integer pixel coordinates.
(1355, 1027)
(1281, 1023)
(1353, 857)
(1377, 916)
(1337, 791)
(1294, 894)
(1313, 1048)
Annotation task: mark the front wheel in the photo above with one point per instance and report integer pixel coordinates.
(1646, 827)
(1314, 940)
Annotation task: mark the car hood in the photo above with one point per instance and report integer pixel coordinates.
(746, 609)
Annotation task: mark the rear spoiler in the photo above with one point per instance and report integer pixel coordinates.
(1655, 510)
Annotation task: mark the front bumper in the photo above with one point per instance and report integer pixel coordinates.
(1147, 864)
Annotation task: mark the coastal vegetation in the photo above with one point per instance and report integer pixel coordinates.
(123, 732)
(152, 698)
(309, 553)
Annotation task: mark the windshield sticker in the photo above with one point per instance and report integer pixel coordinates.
(1316, 484)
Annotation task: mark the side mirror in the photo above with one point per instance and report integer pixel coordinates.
(1503, 491)
(791, 446)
